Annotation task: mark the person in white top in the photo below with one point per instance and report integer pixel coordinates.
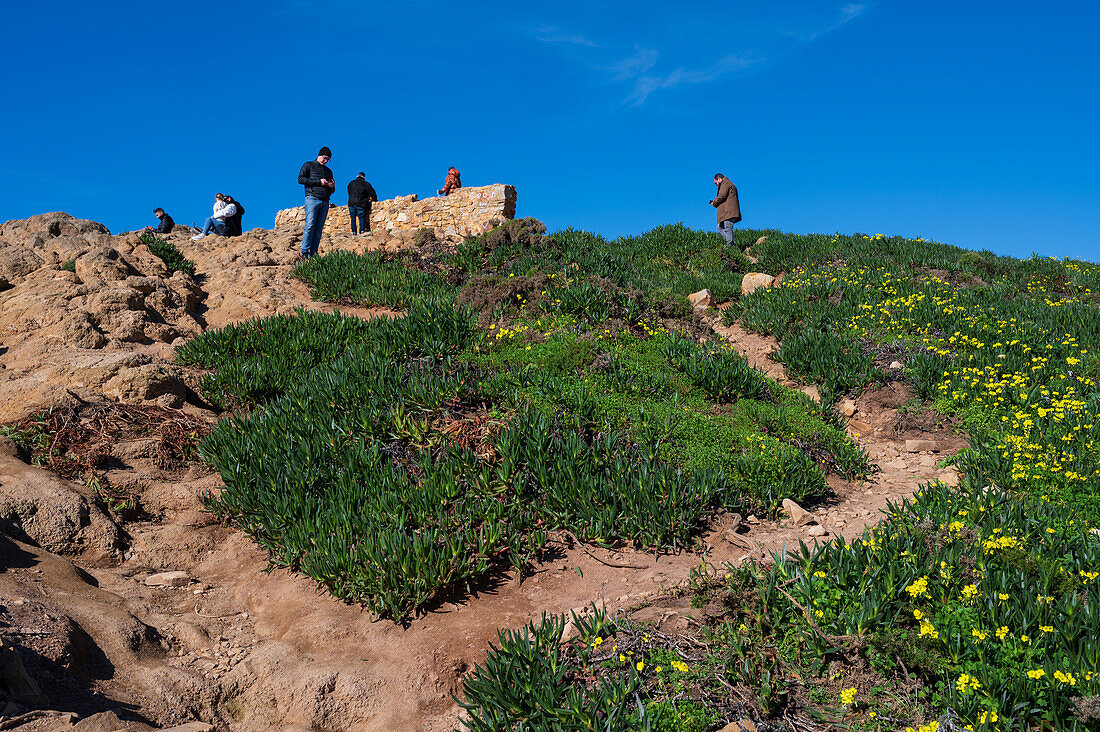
(216, 223)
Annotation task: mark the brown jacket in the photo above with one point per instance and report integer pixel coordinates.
(726, 202)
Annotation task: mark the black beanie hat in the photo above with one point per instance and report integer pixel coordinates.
(324, 151)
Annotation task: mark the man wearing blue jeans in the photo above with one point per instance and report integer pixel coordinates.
(318, 181)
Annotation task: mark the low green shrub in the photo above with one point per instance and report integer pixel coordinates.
(168, 253)
(371, 278)
(828, 359)
(259, 359)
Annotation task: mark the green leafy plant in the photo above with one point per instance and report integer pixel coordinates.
(168, 253)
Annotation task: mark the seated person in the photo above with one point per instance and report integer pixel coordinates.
(166, 223)
(233, 222)
(453, 182)
(216, 222)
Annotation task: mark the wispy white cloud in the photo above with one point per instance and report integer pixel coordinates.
(641, 61)
(555, 35)
(644, 76)
(848, 13)
(647, 84)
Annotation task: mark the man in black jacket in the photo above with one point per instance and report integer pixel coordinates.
(360, 196)
(166, 222)
(317, 178)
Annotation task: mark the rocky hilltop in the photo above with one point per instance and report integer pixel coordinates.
(88, 326)
(125, 605)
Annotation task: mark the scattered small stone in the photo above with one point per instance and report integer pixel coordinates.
(921, 446)
(817, 530)
(700, 300)
(168, 579)
(895, 365)
(796, 512)
(869, 492)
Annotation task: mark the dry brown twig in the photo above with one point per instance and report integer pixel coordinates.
(588, 551)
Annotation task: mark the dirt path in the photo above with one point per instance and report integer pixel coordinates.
(250, 650)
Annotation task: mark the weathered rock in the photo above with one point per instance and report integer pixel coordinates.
(190, 727)
(796, 512)
(148, 383)
(38, 505)
(745, 725)
(848, 407)
(921, 446)
(863, 428)
(17, 262)
(895, 365)
(470, 210)
(817, 531)
(79, 329)
(175, 578)
(16, 685)
(102, 265)
(753, 281)
(700, 300)
(812, 392)
(102, 722)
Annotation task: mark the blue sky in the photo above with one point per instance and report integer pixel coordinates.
(971, 123)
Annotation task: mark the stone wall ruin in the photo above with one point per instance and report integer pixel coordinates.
(465, 212)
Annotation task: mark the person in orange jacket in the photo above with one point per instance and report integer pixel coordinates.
(453, 182)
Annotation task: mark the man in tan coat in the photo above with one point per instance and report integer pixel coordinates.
(729, 210)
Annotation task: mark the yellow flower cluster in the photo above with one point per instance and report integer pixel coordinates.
(930, 727)
(967, 683)
(1029, 394)
(918, 588)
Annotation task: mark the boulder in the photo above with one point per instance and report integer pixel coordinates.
(17, 262)
(102, 265)
(700, 300)
(753, 281)
(80, 330)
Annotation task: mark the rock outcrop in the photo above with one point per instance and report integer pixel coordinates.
(467, 211)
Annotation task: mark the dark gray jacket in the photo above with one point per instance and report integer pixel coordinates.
(311, 175)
